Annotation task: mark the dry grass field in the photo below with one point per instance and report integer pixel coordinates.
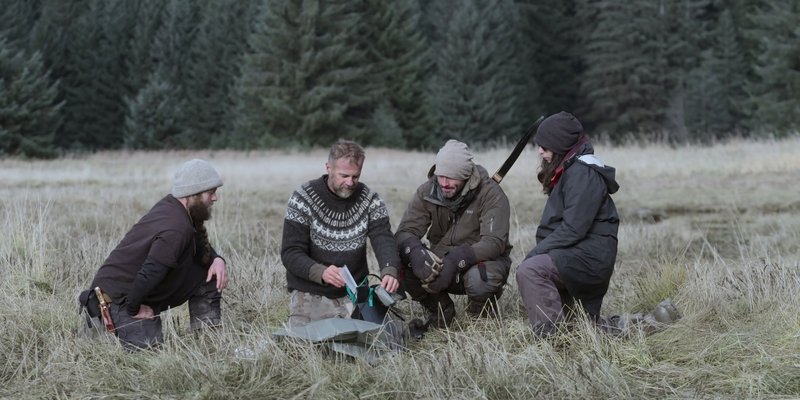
(715, 228)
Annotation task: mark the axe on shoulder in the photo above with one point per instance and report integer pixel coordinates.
(521, 143)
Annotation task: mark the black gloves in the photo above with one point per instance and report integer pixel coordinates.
(423, 262)
(456, 260)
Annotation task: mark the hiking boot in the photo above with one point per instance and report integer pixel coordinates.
(627, 323)
(666, 312)
(543, 330)
(441, 311)
(611, 325)
(483, 308)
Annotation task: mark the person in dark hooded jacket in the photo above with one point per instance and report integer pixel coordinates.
(576, 241)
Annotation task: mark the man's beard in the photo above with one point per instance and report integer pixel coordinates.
(454, 191)
(199, 211)
(344, 193)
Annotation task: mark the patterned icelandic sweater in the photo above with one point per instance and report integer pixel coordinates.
(322, 229)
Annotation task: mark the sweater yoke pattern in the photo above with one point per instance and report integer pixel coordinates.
(335, 226)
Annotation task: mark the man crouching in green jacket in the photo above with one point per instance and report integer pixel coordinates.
(465, 215)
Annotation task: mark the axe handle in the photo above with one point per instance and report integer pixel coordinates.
(521, 143)
(104, 312)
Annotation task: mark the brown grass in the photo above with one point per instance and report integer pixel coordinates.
(726, 249)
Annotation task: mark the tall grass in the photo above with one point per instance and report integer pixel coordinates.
(727, 249)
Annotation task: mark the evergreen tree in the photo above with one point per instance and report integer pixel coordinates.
(303, 82)
(172, 55)
(29, 112)
(143, 61)
(623, 87)
(153, 118)
(386, 131)
(716, 105)
(550, 46)
(683, 36)
(17, 17)
(474, 88)
(215, 56)
(54, 31)
(94, 76)
(395, 45)
(434, 22)
(776, 93)
(52, 35)
(742, 12)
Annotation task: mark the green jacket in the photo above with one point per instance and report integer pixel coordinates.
(480, 218)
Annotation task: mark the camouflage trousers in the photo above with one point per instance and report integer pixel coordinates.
(307, 307)
(543, 293)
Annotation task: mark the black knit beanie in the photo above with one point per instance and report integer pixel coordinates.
(558, 132)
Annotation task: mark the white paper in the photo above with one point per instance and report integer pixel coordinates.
(348, 279)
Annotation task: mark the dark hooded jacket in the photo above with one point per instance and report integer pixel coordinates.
(479, 217)
(579, 227)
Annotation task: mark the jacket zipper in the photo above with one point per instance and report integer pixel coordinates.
(452, 240)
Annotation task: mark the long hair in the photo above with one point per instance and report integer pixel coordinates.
(547, 170)
(200, 212)
(204, 251)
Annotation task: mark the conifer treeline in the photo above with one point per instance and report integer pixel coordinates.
(84, 75)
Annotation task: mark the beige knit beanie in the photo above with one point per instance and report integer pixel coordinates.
(454, 160)
(193, 177)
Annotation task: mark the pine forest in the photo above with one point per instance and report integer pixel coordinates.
(88, 75)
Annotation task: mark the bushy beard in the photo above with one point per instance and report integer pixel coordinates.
(199, 211)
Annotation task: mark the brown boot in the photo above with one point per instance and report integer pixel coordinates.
(441, 310)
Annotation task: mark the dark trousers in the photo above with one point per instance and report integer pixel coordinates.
(204, 310)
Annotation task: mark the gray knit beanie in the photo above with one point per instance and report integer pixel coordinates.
(454, 160)
(559, 132)
(193, 177)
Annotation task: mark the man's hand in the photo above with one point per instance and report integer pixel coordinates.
(217, 269)
(390, 283)
(332, 277)
(145, 312)
(424, 263)
(456, 260)
(445, 278)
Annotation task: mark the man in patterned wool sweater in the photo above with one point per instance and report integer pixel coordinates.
(327, 223)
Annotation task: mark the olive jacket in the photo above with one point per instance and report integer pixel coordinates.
(479, 217)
